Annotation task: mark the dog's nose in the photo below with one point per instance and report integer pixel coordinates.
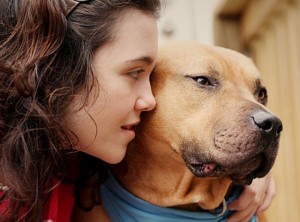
(268, 122)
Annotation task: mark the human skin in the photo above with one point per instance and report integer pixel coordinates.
(105, 125)
(256, 198)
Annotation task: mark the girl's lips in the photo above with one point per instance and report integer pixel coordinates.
(130, 126)
(129, 129)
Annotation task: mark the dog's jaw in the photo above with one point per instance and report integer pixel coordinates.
(171, 186)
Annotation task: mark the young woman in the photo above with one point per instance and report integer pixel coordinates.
(74, 76)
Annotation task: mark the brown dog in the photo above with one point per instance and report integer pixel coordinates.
(210, 129)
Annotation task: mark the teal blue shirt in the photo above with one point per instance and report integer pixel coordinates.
(123, 206)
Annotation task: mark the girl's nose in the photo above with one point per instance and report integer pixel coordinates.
(146, 102)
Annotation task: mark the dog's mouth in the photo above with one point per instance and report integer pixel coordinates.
(242, 173)
(205, 169)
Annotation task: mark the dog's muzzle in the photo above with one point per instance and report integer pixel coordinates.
(243, 150)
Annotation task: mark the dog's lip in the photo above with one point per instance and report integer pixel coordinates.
(264, 166)
(243, 180)
(260, 171)
(213, 169)
(205, 169)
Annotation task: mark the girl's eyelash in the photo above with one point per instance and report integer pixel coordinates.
(135, 74)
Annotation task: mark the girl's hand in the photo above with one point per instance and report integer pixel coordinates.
(255, 199)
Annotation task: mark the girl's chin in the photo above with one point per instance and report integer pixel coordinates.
(116, 157)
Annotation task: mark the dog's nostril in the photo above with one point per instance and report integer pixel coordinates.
(279, 129)
(263, 120)
(267, 122)
(265, 125)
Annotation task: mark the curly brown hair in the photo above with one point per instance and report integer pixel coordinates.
(45, 61)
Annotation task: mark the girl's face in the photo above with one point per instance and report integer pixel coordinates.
(122, 68)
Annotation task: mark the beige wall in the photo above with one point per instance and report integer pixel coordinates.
(187, 19)
(269, 31)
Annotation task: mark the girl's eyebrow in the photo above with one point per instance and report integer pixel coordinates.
(146, 59)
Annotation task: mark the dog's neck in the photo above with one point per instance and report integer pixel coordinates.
(158, 175)
(120, 205)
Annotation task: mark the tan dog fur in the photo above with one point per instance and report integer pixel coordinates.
(193, 123)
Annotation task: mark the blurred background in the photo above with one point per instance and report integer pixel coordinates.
(268, 31)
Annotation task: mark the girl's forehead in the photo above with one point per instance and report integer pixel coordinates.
(135, 38)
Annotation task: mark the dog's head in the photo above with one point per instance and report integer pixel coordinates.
(211, 112)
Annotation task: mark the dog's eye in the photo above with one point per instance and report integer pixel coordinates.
(262, 95)
(202, 80)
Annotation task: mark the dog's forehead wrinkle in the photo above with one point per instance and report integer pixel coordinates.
(209, 69)
(203, 59)
(212, 69)
(244, 67)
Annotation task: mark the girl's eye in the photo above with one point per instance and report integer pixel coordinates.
(202, 80)
(135, 73)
